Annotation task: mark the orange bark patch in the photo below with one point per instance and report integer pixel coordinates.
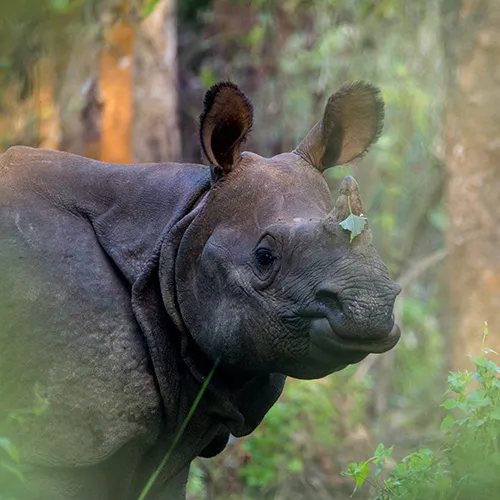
(491, 282)
(116, 91)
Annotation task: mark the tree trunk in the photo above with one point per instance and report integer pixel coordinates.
(156, 135)
(472, 156)
(47, 111)
(116, 91)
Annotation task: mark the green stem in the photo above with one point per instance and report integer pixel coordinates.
(179, 434)
(349, 204)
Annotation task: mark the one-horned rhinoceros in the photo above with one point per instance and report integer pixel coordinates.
(122, 285)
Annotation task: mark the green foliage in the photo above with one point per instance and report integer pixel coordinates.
(302, 424)
(466, 465)
(30, 30)
(360, 471)
(10, 457)
(196, 486)
(418, 377)
(310, 420)
(274, 446)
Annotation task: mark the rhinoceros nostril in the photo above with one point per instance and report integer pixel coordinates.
(329, 297)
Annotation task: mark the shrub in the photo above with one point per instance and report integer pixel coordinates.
(466, 465)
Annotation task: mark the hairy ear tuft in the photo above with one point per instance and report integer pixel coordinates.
(224, 125)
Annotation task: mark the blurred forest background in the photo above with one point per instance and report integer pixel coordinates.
(124, 82)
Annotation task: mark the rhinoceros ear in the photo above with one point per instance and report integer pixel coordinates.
(224, 125)
(352, 121)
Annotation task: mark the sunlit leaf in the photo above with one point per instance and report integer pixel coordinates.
(360, 474)
(487, 350)
(449, 403)
(447, 422)
(354, 224)
(10, 449)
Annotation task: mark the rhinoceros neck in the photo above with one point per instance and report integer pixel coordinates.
(148, 200)
(128, 206)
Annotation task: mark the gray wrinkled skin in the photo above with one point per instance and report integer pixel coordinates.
(121, 285)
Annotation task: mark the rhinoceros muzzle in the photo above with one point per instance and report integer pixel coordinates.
(323, 336)
(343, 327)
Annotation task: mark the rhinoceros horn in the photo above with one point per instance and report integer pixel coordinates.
(348, 202)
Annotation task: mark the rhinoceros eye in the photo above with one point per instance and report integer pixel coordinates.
(264, 257)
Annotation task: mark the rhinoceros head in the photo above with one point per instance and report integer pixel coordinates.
(267, 280)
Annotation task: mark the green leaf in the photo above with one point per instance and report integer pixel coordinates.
(449, 403)
(359, 472)
(479, 399)
(10, 449)
(381, 453)
(13, 470)
(487, 350)
(479, 422)
(482, 362)
(354, 224)
(447, 422)
(380, 457)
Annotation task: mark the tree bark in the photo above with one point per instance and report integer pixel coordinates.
(116, 91)
(156, 135)
(472, 155)
(47, 110)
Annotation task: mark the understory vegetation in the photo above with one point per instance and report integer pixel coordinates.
(460, 463)
(465, 460)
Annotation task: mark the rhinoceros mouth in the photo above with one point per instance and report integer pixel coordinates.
(323, 336)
